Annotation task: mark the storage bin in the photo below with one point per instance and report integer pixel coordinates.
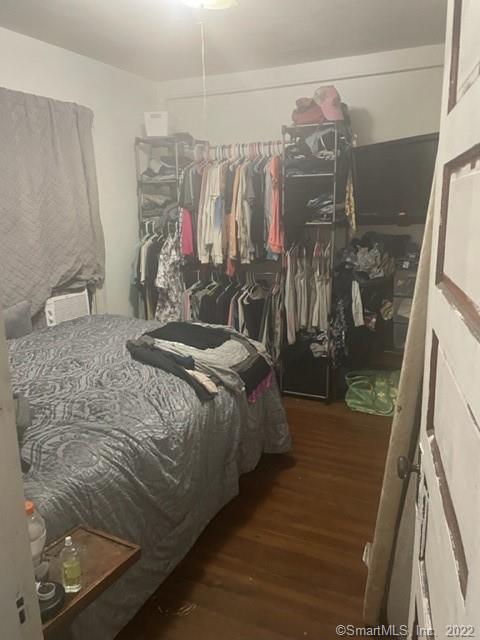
(400, 330)
(404, 282)
(306, 374)
(156, 123)
(402, 307)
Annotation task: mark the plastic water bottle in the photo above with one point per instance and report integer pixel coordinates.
(37, 533)
(71, 569)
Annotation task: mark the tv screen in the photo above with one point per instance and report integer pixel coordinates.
(393, 179)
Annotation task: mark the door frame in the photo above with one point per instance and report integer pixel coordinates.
(17, 582)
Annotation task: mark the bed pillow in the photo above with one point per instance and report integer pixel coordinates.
(18, 320)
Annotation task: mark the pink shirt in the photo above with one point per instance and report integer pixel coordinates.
(187, 233)
(275, 236)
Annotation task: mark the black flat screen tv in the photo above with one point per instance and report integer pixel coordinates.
(393, 180)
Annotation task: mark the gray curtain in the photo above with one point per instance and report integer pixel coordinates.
(404, 422)
(50, 231)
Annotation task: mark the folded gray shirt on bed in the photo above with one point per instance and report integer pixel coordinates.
(212, 362)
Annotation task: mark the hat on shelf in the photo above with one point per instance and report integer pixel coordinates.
(307, 112)
(328, 99)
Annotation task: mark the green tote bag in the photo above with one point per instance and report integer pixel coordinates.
(372, 391)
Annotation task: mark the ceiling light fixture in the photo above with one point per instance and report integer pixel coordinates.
(211, 4)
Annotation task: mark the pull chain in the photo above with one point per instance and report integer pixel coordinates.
(204, 81)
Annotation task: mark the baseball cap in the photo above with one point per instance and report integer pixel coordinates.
(328, 99)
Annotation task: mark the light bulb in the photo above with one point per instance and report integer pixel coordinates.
(211, 4)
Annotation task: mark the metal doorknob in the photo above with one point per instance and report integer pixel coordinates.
(405, 468)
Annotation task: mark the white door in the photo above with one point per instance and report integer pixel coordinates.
(19, 613)
(446, 572)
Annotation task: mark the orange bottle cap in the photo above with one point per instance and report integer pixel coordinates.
(29, 507)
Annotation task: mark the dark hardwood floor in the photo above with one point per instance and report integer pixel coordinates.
(284, 559)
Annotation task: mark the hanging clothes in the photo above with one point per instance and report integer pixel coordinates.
(307, 289)
(239, 218)
(290, 295)
(145, 270)
(169, 280)
(254, 308)
(275, 232)
(189, 201)
(187, 234)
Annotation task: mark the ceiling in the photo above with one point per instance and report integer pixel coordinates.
(160, 39)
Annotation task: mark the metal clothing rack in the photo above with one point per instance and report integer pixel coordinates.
(244, 150)
(320, 386)
(235, 151)
(144, 153)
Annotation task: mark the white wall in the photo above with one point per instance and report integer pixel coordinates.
(118, 100)
(391, 94)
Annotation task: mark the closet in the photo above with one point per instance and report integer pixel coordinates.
(277, 240)
(245, 235)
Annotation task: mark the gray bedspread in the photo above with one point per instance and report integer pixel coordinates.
(130, 449)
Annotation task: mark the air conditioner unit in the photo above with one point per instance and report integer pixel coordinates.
(66, 307)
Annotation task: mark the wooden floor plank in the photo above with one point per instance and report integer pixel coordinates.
(282, 561)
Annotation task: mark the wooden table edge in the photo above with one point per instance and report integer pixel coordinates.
(64, 616)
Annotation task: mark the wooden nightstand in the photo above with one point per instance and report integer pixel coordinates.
(104, 559)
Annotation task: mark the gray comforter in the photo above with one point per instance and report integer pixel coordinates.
(130, 449)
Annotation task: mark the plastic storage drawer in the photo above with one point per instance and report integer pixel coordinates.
(400, 330)
(402, 308)
(404, 282)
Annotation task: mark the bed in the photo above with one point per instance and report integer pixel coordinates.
(127, 448)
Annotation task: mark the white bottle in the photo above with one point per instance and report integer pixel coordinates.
(71, 569)
(37, 532)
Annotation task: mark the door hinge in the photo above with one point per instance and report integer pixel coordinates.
(405, 467)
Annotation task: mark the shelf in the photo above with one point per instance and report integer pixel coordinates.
(169, 141)
(381, 281)
(337, 223)
(299, 394)
(330, 174)
(160, 183)
(394, 351)
(303, 127)
(389, 219)
(402, 296)
(158, 141)
(264, 266)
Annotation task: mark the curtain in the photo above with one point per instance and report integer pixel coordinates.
(404, 420)
(50, 230)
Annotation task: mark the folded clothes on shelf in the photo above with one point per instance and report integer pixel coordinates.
(161, 169)
(155, 201)
(164, 211)
(321, 208)
(322, 143)
(301, 160)
(158, 206)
